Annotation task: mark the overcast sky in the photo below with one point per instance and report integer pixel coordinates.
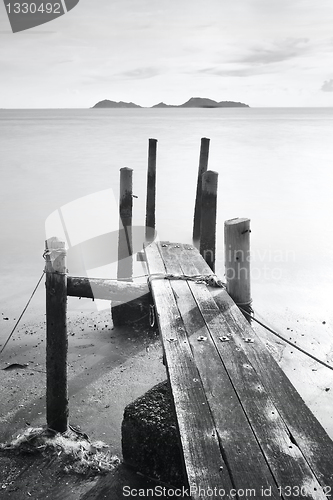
(261, 52)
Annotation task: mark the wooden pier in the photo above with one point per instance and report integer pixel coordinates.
(244, 431)
(242, 425)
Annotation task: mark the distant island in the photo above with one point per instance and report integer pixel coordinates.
(194, 102)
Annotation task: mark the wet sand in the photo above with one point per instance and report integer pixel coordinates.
(107, 369)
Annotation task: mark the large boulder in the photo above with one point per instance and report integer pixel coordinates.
(133, 312)
(150, 438)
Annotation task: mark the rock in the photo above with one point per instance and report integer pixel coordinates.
(202, 102)
(113, 104)
(150, 439)
(194, 102)
(133, 312)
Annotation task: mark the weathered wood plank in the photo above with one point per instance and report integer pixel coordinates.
(305, 431)
(204, 464)
(242, 452)
(94, 288)
(287, 463)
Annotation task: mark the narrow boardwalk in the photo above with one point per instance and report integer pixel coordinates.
(245, 431)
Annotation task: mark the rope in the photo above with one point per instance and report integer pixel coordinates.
(50, 251)
(47, 253)
(247, 305)
(209, 280)
(17, 322)
(287, 341)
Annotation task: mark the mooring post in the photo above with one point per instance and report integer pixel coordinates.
(125, 261)
(237, 262)
(203, 163)
(56, 335)
(151, 190)
(123, 312)
(208, 217)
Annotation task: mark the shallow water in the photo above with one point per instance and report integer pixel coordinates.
(274, 167)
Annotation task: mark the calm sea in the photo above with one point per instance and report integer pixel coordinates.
(275, 167)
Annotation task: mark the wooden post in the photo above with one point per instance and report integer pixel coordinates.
(126, 310)
(237, 262)
(203, 162)
(208, 217)
(125, 263)
(151, 190)
(56, 335)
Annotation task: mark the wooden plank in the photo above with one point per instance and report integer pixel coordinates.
(204, 464)
(284, 458)
(95, 288)
(242, 452)
(305, 431)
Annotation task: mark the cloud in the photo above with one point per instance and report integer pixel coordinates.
(140, 73)
(277, 51)
(327, 86)
(26, 33)
(257, 59)
(232, 71)
(105, 75)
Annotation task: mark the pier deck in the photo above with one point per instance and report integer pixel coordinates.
(244, 430)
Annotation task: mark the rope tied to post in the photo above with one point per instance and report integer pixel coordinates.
(246, 305)
(209, 280)
(50, 251)
(55, 253)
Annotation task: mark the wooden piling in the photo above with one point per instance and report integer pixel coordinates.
(151, 190)
(208, 217)
(203, 163)
(237, 262)
(56, 335)
(127, 310)
(125, 262)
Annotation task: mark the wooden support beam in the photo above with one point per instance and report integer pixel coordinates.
(151, 190)
(125, 244)
(107, 289)
(203, 163)
(237, 261)
(56, 335)
(208, 217)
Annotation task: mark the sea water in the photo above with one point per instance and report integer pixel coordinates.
(274, 166)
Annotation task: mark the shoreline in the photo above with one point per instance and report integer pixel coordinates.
(107, 368)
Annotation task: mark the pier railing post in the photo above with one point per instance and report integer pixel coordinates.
(151, 190)
(56, 335)
(126, 312)
(208, 217)
(125, 246)
(203, 163)
(237, 262)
